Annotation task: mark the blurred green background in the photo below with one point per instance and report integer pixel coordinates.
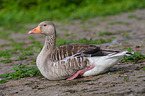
(31, 11)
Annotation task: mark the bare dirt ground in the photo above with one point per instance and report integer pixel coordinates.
(123, 79)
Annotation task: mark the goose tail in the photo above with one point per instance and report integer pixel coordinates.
(116, 55)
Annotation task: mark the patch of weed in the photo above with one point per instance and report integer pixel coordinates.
(110, 73)
(36, 44)
(3, 81)
(132, 16)
(83, 90)
(139, 77)
(6, 61)
(64, 29)
(126, 78)
(105, 33)
(17, 46)
(71, 91)
(119, 31)
(24, 54)
(143, 69)
(93, 90)
(31, 37)
(60, 42)
(105, 18)
(4, 45)
(4, 35)
(66, 34)
(90, 41)
(119, 72)
(110, 39)
(127, 36)
(122, 72)
(95, 23)
(11, 40)
(21, 71)
(5, 53)
(33, 62)
(19, 49)
(82, 40)
(118, 22)
(113, 37)
(29, 48)
(139, 18)
(73, 36)
(134, 57)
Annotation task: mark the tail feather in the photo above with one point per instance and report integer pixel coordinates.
(118, 54)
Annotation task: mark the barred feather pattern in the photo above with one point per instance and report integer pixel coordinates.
(64, 68)
(66, 60)
(77, 49)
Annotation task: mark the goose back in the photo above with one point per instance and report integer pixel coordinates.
(76, 50)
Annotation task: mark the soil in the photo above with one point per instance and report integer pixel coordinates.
(123, 79)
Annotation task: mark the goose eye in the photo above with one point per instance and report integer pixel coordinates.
(44, 25)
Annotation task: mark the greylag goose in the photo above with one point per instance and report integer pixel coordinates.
(71, 60)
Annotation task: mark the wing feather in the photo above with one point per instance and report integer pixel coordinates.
(79, 50)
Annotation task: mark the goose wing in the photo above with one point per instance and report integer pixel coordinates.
(79, 50)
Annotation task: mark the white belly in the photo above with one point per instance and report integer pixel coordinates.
(103, 63)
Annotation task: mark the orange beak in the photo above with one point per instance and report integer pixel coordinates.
(35, 31)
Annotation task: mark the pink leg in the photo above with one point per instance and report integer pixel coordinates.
(80, 72)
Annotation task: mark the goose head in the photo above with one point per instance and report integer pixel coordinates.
(45, 27)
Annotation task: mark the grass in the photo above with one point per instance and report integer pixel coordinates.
(27, 53)
(4, 45)
(139, 77)
(31, 37)
(132, 16)
(126, 78)
(95, 23)
(21, 71)
(71, 91)
(66, 34)
(3, 81)
(19, 51)
(64, 29)
(5, 53)
(4, 35)
(17, 46)
(118, 22)
(36, 44)
(82, 40)
(6, 61)
(33, 12)
(74, 36)
(143, 69)
(127, 35)
(134, 57)
(105, 33)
